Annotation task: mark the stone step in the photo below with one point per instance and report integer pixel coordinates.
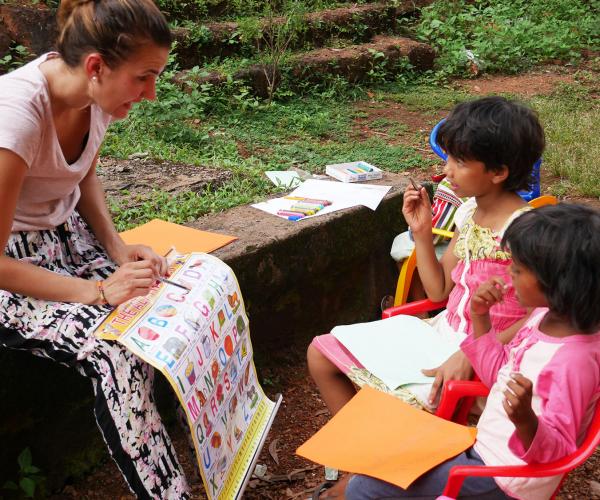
(214, 9)
(354, 63)
(355, 22)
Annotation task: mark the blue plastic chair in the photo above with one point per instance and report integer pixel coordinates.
(535, 190)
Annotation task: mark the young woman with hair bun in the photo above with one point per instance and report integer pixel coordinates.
(64, 266)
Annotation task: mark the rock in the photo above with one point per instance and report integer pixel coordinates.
(31, 26)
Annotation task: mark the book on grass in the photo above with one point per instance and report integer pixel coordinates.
(355, 171)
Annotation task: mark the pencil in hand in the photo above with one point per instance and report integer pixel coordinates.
(414, 184)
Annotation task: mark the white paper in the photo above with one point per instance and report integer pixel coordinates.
(284, 178)
(396, 349)
(340, 194)
(349, 195)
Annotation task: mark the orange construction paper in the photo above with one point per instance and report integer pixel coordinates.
(162, 236)
(379, 435)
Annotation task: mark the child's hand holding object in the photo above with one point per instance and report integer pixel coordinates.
(490, 292)
(517, 404)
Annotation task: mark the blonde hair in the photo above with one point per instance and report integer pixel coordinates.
(113, 28)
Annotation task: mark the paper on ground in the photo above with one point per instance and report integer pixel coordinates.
(341, 195)
(285, 178)
(378, 435)
(396, 349)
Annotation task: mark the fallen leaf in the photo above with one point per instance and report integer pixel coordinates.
(273, 450)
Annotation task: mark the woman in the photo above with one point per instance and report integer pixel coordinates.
(64, 265)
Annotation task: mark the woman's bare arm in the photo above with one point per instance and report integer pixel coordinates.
(21, 277)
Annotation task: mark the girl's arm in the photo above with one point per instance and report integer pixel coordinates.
(92, 207)
(487, 353)
(434, 274)
(27, 279)
(566, 394)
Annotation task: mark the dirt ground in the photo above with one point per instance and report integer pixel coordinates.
(302, 412)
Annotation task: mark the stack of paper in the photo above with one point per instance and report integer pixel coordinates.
(340, 194)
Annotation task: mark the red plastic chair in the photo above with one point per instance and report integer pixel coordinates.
(456, 389)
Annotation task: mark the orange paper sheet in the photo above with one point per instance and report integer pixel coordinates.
(162, 236)
(380, 436)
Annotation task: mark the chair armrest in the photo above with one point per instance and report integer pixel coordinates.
(453, 391)
(459, 473)
(411, 308)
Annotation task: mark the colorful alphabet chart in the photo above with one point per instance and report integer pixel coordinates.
(197, 335)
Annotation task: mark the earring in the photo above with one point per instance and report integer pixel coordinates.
(94, 79)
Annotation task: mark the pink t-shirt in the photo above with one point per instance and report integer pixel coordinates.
(480, 258)
(566, 386)
(51, 186)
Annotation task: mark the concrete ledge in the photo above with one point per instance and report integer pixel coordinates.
(301, 279)
(298, 280)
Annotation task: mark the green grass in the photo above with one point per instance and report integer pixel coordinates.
(508, 35)
(309, 126)
(310, 132)
(571, 115)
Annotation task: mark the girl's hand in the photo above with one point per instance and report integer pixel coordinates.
(490, 292)
(132, 279)
(416, 209)
(133, 253)
(456, 367)
(517, 405)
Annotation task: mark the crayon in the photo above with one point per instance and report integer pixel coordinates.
(295, 217)
(303, 211)
(289, 213)
(308, 200)
(414, 184)
(364, 166)
(308, 206)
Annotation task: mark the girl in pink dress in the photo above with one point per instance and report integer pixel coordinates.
(545, 383)
(492, 144)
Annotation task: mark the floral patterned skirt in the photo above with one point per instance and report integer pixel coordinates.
(124, 403)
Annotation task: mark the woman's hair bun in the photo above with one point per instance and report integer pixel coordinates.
(65, 10)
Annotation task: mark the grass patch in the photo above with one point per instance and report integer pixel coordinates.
(310, 132)
(508, 35)
(570, 116)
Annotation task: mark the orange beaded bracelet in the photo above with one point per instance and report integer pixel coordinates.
(100, 286)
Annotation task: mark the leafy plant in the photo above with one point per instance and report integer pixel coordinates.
(509, 36)
(17, 56)
(28, 481)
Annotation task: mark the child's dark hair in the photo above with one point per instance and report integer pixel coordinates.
(113, 28)
(496, 132)
(560, 245)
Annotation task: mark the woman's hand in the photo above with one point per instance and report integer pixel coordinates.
(489, 293)
(134, 253)
(456, 367)
(132, 279)
(517, 405)
(416, 209)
